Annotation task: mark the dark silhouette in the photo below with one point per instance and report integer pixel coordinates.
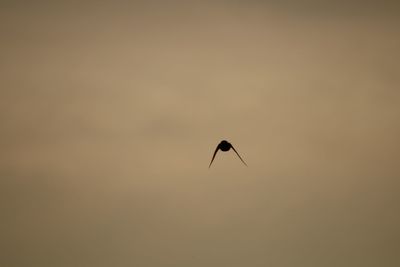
(225, 146)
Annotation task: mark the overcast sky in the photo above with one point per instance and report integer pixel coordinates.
(110, 113)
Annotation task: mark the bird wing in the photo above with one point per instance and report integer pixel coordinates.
(215, 153)
(238, 155)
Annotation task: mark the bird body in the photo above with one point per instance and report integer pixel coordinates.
(225, 146)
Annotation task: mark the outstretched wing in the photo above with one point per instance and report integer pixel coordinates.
(238, 155)
(215, 153)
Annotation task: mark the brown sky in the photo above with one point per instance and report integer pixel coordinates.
(110, 113)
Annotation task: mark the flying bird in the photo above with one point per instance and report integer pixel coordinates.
(225, 146)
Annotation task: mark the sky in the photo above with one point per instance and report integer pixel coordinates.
(110, 113)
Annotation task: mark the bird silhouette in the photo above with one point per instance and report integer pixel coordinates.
(225, 146)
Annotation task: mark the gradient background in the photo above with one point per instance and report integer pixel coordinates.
(110, 113)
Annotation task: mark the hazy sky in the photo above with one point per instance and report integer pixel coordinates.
(110, 113)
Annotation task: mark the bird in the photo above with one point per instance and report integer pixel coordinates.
(225, 146)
